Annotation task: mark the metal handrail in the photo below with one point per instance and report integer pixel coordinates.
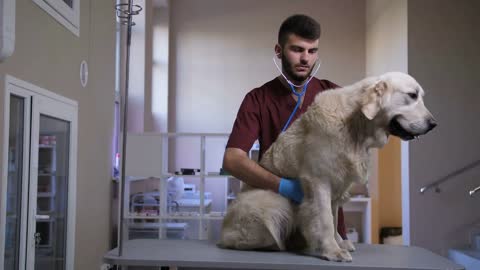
(473, 191)
(435, 184)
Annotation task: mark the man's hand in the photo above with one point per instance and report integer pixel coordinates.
(291, 189)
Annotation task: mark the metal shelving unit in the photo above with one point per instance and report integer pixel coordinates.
(153, 148)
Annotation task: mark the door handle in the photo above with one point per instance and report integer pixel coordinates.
(42, 217)
(38, 238)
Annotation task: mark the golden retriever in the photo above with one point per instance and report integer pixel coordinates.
(327, 149)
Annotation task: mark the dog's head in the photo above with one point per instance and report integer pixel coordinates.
(395, 101)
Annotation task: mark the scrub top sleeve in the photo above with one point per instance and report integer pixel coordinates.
(246, 128)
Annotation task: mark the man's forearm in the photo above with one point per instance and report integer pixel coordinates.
(237, 163)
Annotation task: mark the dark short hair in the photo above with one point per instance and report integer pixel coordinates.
(300, 25)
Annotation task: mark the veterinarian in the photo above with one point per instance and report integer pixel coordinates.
(268, 110)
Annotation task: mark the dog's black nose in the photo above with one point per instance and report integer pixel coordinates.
(431, 124)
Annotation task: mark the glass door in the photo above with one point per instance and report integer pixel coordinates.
(16, 183)
(51, 190)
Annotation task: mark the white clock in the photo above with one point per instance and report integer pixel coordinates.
(84, 73)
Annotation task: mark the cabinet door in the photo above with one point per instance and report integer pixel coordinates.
(52, 185)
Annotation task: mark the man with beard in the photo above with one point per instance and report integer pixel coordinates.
(268, 110)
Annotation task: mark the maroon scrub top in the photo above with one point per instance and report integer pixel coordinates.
(265, 110)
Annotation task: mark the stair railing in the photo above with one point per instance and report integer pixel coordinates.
(436, 184)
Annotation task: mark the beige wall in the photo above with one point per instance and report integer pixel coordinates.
(386, 39)
(444, 42)
(48, 55)
(220, 50)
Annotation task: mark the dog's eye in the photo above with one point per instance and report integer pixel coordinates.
(414, 96)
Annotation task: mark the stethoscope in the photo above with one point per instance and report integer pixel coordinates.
(292, 87)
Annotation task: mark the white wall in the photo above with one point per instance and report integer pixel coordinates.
(138, 87)
(386, 50)
(159, 102)
(148, 87)
(221, 49)
(386, 36)
(444, 42)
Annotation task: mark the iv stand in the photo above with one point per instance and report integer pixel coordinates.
(125, 11)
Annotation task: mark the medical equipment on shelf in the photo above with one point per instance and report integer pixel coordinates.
(182, 200)
(175, 188)
(145, 203)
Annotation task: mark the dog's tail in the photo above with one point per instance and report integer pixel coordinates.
(280, 224)
(276, 232)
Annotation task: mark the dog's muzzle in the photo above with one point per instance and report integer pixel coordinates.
(396, 129)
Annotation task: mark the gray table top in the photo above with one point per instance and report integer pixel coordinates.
(203, 254)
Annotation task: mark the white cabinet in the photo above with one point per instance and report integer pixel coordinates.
(162, 202)
(362, 206)
(40, 188)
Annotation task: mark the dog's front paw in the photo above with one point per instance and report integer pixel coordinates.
(336, 255)
(347, 244)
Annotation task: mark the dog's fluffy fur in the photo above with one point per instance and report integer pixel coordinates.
(327, 149)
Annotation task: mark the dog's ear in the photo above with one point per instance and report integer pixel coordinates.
(372, 99)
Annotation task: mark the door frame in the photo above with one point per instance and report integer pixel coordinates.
(34, 94)
(26, 165)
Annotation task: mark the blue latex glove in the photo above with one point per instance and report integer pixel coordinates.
(291, 189)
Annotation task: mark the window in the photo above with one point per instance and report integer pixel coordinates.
(66, 12)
